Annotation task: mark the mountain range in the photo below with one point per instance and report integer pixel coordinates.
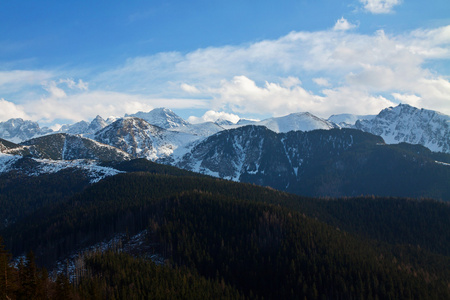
(306, 208)
(402, 123)
(298, 153)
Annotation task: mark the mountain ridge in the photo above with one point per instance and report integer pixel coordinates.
(402, 123)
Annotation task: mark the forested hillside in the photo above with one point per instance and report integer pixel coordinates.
(240, 240)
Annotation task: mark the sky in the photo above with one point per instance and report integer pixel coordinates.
(66, 61)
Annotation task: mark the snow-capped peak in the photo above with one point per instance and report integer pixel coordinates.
(97, 124)
(405, 123)
(303, 121)
(18, 130)
(161, 117)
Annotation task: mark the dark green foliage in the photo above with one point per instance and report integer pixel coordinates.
(371, 168)
(144, 165)
(21, 195)
(420, 223)
(254, 241)
(123, 202)
(121, 276)
(27, 281)
(279, 254)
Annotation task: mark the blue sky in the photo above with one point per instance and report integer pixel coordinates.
(63, 61)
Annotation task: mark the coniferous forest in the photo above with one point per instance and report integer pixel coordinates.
(215, 239)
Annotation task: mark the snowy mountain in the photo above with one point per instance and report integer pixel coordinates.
(296, 121)
(161, 117)
(97, 124)
(223, 122)
(348, 120)
(61, 146)
(84, 128)
(76, 128)
(335, 162)
(405, 123)
(243, 122)
(18, 130)
(141, 139)
(202, 129)
(292, 122)
(258, 151)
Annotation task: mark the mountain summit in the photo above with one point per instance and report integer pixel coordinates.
(161, 117)
(405, 123)
(296, 121)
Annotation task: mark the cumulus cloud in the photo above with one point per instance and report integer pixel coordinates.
(212, 116)
(243, 95)
(413, 100)
(353, 72)
(321, 81)
(54, 90)
(380, 6)
(80, 85)
(343, 25)
(9, 110)
(86, 105)
(189, 88)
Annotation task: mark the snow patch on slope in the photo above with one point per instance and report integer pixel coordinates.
(296, 121)
(46, 166)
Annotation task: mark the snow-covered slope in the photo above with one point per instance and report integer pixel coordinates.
(97, 124)
(259, 152)
(141, 139)
(161, 117)
(296, 121)
(61, 146)
(84, 128)
(223, 122)
(405, 123)
(13, 149)
(202, 129)
(90, 168)
(76, 128)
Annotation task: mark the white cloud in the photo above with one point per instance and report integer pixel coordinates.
(290, 82)
(212, 116)
(23, 77)
(243, 95)
(80, 85)
(342, 25)
(14, 81)
(54, 90)
(9, 110)
(374, 63)
(189, 88)
(380, 6)
(408, 99)
(321, 81)
(265, 77)
(86, 105)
